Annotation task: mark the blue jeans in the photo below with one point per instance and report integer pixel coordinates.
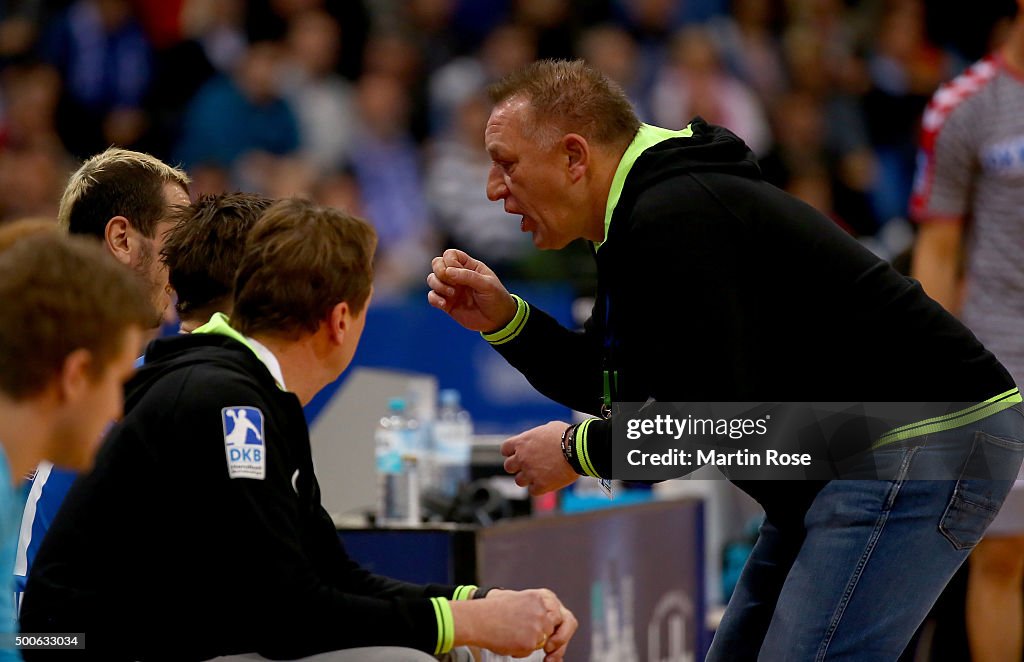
(857, 577)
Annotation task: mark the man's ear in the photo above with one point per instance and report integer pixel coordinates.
(115, 234)
(74, 375)
(340, 322)
(577, 151)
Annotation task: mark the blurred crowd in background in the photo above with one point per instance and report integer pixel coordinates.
(378, 106)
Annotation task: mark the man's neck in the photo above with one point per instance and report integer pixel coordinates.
(606, 165)
(303, 373)
(1013, 50)
(23, 429)
(198, 317)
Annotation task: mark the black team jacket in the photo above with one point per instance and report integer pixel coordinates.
(158, 554)
(715, 286)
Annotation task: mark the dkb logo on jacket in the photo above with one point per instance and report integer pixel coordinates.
(243, 442)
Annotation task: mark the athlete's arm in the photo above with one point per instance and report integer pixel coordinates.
(937, 260)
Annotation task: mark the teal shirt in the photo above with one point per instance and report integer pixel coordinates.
(11, 503)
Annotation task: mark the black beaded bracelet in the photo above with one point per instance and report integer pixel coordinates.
(569, 448)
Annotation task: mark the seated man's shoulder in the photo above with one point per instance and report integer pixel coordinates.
(203, 410)
(207, 388)
(193, 389)
(204, 363)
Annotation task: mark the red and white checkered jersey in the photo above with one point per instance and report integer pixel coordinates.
(971, 170)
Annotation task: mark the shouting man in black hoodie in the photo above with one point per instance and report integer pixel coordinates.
(714, 286)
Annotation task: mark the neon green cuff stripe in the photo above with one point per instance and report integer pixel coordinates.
(582, 453)
(445, 625)
(440, 626)
(513, 328)
(463, 592)
(581, 433)
(951, 421)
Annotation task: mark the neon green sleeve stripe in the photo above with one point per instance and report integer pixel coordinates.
(513, 328)
(445, 625)
(956, 419)
(463, 592)
(581, 448)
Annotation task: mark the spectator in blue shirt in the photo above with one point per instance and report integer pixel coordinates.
(106, 62)
(232, 117)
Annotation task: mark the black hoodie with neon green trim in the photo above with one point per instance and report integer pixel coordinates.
(160, 554)
(714, 286)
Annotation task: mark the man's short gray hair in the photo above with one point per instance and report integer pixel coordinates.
(570, 97)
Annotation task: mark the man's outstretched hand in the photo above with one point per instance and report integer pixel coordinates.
(469, 292)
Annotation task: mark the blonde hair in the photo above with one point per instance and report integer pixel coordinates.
(117, 182)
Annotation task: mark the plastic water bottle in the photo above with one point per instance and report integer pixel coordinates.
(453, 443)
(397, 443)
